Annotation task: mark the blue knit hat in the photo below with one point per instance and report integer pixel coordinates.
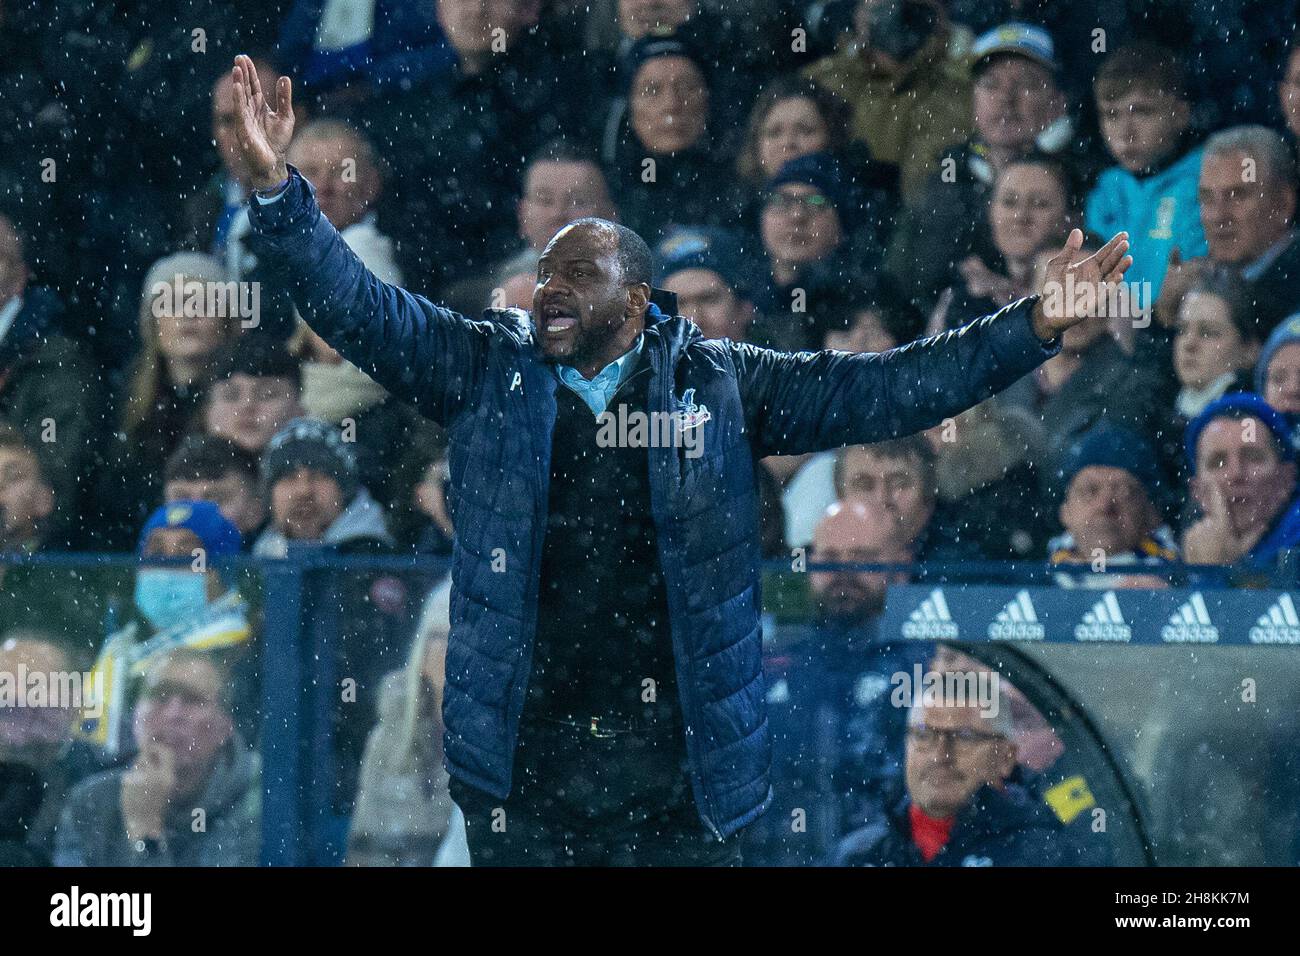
(1113, 446)
(652, 46)
(1241, 405)
(215, 531)
(824, 173)
(1288, 333)
(709, 248)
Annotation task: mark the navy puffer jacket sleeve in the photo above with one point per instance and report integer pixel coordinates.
(422, 353)
(811, 401)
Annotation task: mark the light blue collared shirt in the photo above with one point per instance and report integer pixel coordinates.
(597, 392)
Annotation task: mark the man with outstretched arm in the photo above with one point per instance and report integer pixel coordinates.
(604, 701)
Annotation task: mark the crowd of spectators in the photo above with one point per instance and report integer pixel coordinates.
(847, 174)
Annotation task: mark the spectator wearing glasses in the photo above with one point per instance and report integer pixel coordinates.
(189, 760)
(793, 117)
(813, 241)
(959, 807)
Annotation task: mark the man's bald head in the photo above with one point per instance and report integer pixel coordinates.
(852, 532)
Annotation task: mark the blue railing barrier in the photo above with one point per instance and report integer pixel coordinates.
(944, 601)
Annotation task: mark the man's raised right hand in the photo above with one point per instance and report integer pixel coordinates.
(264, 129)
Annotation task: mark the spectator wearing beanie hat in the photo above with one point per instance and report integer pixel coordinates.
(310, 478)
(175, 606)
(1277, 373)
(1111, 504)
(713, 280)
(1244, 481)
(810, 229)
(664, 165)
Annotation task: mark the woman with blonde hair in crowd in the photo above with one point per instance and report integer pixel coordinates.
(404, 812)
(189, 319)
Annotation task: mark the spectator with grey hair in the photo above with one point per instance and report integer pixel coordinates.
(190, 759)
(959, 806)
(1247, 196)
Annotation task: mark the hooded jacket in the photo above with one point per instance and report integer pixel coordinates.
(360, 527)
(490, 385)
(910, 116)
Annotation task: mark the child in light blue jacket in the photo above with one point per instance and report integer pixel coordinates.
(1145, 117)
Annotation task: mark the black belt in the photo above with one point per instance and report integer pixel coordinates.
(604, 727)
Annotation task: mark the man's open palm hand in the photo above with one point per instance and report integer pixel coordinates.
(264, 128)
(1075, 285)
